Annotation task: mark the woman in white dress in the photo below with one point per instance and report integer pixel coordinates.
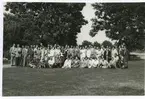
(82, 53)
(67, 63)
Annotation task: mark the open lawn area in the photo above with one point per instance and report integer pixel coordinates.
(20, 81)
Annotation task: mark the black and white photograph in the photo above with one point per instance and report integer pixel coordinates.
(73, 49)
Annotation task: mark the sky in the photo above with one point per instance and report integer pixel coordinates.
(89, 13)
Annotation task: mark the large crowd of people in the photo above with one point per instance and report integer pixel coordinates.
(56, 56)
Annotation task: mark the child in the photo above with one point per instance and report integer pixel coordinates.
(67, 63)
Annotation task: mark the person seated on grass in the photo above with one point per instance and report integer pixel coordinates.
(90, 63)
(51, 61)
(121, 62)
(99, 62)
(32, 64)
(103, 63)
(67, 63)
(95, 62)
(75, 63)
(113, 62)
(84, 63)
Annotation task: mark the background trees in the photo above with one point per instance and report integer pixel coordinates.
(31, 23)
(86, 43)
(96, 44)
(121, 21)
(107, 43)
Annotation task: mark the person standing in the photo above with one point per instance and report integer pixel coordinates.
(114, 52)
(30, 54)
(109, 54)
(88, 52)
(82, 53)
(125, 54)
(18, 55)
(24, 54)
(13, 55)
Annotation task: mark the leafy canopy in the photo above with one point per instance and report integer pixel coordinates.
(31, 23)
(121, 21)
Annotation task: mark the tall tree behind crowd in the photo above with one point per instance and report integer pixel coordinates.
(121, 21)
(46, 22)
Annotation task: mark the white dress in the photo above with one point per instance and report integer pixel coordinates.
(114, 61)
(88, 52)
(42, 54)
(105, 64)
(95, 63)
(114, 52)
(51, 61)
(83, 53)
(67, 63)
(51, 53)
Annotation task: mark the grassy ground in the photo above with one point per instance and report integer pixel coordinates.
(45, 82)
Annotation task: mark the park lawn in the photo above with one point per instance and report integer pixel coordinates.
(45, 82)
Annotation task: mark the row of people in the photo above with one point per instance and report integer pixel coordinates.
(57, 56)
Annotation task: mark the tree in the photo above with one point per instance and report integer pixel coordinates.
(121, 21)
(97, 44)
(46, 22)
(86, 43)
(107, 43)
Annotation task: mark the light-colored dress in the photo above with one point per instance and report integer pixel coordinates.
(67, 63)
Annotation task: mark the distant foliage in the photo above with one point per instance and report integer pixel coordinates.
(96, 44)
(86, 43)
(107, 43)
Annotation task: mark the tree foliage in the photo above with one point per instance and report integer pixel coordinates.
(86, 43)
(46, 22)
(97, 44)
(107, 43)
(121, 21)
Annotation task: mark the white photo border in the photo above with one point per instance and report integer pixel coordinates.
(56, 97)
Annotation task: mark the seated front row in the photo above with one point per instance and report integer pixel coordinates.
(90, 63)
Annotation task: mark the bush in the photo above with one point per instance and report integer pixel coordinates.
(6, 54)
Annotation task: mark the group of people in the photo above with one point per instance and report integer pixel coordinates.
(56, 56)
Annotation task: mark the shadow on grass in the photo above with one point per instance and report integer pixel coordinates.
(116, 91)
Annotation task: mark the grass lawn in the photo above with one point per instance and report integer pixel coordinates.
(46, 82)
